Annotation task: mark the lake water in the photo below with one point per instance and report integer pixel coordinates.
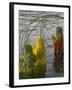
(29, 20)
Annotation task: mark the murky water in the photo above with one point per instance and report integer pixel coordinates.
(27, 22)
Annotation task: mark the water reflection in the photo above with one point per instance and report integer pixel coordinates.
(38, 71)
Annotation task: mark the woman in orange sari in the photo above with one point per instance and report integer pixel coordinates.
(58, 50)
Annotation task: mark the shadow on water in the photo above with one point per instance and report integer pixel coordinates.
(40, 71)
(35, 72)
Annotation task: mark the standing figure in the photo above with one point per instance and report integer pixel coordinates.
(58, 50)
(40, 53)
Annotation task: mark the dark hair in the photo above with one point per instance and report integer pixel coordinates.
(59, 30)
